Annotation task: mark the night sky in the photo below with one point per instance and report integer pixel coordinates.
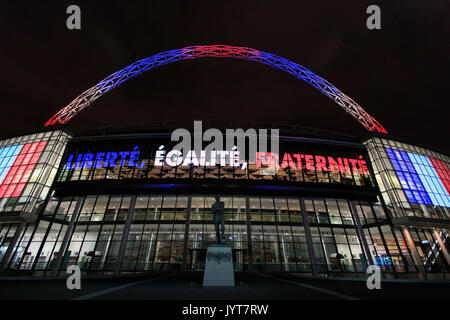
(399, 74)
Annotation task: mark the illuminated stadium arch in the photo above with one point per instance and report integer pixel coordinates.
(195, 52)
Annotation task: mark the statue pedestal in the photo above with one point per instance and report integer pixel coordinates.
(219, 269)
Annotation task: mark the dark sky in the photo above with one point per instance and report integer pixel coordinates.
(399, 74)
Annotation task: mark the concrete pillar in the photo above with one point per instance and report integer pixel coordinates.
(249, 234)
(65, 242)
(312, 255)
(187, 224)
(9, 251)
(126, 230)
(415, 254)
(361, 232)
(442, 245)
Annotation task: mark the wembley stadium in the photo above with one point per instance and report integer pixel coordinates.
(108, 200)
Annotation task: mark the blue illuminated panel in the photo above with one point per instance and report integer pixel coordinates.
(7, 157)
(419, 179)
(430, 180)
(409, 178)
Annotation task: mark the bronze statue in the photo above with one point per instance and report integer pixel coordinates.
(218, 209)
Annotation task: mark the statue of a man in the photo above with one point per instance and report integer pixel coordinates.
(218, 209)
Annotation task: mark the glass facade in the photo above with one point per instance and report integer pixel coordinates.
(427, 246)
(321, 213)
(155, 238)
(28, 165)
(413, 181)
(419, 178)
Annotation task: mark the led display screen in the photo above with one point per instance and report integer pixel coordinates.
(153, 158)
(425, 180)
(16, 165)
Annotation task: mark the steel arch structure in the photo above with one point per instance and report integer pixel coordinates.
(216, 51)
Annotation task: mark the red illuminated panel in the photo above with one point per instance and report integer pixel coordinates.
(27, 158)
(18, 175)
(33, 147)
(27, 173)
(2, 190)
(18, 190)
(442, 171)
(25, 148)
(10, 175)
(41, 146)
(21, 169)
(9, 190)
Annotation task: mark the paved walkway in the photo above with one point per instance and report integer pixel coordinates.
(248, 287)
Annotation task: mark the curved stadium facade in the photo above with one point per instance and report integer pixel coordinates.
(335, 205)
(112, 201)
